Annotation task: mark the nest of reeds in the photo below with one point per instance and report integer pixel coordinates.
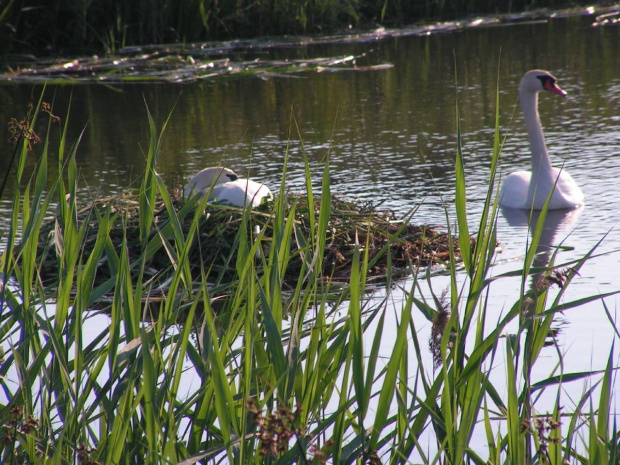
(390, 241)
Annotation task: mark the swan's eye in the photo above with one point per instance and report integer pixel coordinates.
(232, 177)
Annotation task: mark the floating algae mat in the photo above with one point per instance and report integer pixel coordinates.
(213, 253)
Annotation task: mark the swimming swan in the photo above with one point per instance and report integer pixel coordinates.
(530, 189)
(226, 187)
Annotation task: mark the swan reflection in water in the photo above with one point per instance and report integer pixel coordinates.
(554, 222)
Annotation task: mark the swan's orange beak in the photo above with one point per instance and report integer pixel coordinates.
(552, 87)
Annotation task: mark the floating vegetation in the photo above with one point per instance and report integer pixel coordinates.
(181, 64)
(391, 242)
(190, 62)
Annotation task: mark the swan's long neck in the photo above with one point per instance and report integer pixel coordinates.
(540, 157)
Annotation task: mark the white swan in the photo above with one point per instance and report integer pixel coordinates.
(225, 187)
(530, 189)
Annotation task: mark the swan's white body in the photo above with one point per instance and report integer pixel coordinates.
(225, 187)
(530, 189)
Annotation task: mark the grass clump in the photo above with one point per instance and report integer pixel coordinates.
(264, 368)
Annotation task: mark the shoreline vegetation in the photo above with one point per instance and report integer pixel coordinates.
(305, 372)
(184, 61)
(64, 29)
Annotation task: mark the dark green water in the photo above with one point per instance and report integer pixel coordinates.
(391, 133)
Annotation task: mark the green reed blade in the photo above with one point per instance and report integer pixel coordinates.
(356, 343)
(460, 198)
(148, 390)
(389, 381)
(516, 444)
(325, 211)
(274, 339)
(309, 192)
(340, 424)
(148, 187)
(224, 404)
(604, 406)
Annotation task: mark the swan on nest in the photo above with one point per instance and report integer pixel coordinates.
(225, 187)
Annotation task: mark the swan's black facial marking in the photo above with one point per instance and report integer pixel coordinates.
(232, 177)
(546, 80)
